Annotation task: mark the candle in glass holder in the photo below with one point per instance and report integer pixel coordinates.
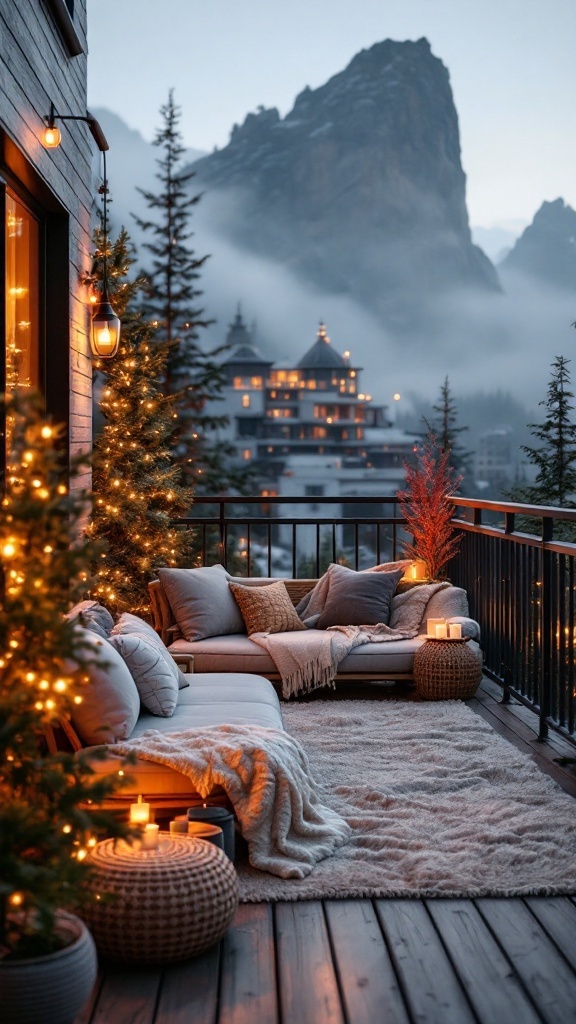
(140, 812)
(150, 837)
(441, 631)
(455, 631)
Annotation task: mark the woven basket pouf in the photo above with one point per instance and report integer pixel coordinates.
(447, 670)
(159, 906)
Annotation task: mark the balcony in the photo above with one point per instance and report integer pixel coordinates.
(361, 961)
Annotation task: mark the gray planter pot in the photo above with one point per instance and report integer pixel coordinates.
(50, 989)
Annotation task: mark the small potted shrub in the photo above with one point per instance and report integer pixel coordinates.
(428, 509)
(49, 815)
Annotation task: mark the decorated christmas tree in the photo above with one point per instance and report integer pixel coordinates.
(428, 508)
(137, 483)
(47, 820)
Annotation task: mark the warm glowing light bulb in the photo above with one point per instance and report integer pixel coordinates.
(16, 899)
(397, 397)
(9, 549)
(52, 137)
(46, 432)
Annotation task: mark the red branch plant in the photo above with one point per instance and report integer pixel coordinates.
(428, 508)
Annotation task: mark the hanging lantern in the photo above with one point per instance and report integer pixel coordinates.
(105, 334)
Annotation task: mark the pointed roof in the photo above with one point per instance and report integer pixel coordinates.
(321, 355)
(243, 350)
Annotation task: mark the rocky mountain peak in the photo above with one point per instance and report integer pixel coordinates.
(547, 248)
(360, 187)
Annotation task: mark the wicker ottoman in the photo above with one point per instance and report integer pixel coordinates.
(159, 906)
(447, 670)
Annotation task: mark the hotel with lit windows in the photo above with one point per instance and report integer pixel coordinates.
(308, 429)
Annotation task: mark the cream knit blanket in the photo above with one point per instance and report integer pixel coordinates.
(309, 660)
(266, 775)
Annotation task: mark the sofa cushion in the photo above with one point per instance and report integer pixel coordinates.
(110, 700)
(233, 653)
(266, 609)
(358, 598)
(201, 601)
(135, 626)
(92, 616)
(157, 684)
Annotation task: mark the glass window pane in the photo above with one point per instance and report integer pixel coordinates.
(22, 296)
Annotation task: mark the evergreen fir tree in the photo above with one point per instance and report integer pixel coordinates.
(47, 823)
(138, 486)
(446, 431)
(172, 302)
(555, 459)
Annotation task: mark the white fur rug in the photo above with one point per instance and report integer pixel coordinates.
(439, 805)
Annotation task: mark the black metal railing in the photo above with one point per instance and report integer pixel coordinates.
(521, 586)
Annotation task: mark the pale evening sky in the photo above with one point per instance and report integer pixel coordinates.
(511, 65)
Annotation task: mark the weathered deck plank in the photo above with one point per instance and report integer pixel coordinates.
(544, 972)
(127, 995)
(368, 981)
(429, 982)
(493, 988)
(308, 987)
(189, 991)
(249, 992)
(557, 915)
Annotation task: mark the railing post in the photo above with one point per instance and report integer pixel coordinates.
(222, 529)
(546, 628)
(507, 679)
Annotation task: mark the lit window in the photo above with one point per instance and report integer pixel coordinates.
(256, 382)
(247, 454)
(245, 401)
(22, 296)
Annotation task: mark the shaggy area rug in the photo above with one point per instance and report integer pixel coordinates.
(439, 805)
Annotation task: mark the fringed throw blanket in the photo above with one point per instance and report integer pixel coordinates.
(265, 774)
(308, 660)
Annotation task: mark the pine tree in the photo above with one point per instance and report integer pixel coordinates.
(46, 823)
(428, 508)
(555, 459)
(444, 428)
(172, 302)
(137, 483)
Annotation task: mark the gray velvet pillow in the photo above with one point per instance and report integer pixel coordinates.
(202, 602)
(110, 701)
(135, 626)
(155, 681)
(358, 598)
(93, 616)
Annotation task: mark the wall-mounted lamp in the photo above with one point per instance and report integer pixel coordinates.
(105, 334)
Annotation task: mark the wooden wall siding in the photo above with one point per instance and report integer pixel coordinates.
(35, 70)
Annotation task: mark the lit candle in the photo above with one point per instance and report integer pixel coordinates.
(414, 571)
(431, 626)
(455, 631)
(441, 631)
(140, 812)
(150, 837)
(179, 825)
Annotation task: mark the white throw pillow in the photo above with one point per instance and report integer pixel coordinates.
(110, 701)
(155, 681)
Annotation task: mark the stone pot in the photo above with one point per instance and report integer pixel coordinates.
(54, 988)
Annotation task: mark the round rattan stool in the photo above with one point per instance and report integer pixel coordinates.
(447, 670)
(159, 906)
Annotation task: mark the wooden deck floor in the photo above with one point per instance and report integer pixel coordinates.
(384, 961)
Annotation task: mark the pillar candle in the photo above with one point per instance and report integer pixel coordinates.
(179, 825)
(150, 837)
(217, 816)
(441, 631)
(431, 626)
(455, 631)
(139, 813)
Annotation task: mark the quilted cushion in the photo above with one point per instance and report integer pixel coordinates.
(128, 623)
(266, 609)
(93, 616)
(156, 682)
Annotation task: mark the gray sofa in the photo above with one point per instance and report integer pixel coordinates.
(236, 652)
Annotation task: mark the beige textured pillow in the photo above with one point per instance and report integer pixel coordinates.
(266, 609)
